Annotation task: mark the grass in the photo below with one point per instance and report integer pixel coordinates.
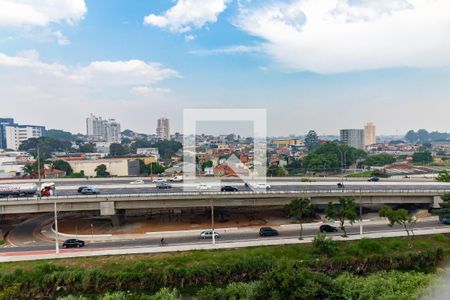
(362, 248)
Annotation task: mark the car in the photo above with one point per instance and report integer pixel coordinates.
(81, 188)
(177, 178)
(203, 187)
(163, 185)
(73, 243)
(156, 180)
(261, 185)
(327, 228)
(340, 185)
(208, 234)
(90, 191)
(373, 179)
(228, 188)
(267, 231)
(137, 182)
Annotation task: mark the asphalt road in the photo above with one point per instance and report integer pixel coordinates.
(150, 188)
(229, 237)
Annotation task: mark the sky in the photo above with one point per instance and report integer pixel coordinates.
(313, 64)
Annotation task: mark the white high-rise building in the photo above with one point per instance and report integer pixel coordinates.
(15, 135)
(163, 129)
(353, 138)
(370, 137)
(99, 130)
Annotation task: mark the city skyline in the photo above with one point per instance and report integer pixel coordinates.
(153, 59)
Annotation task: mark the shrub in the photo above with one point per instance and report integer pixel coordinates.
(441, 238)
(324, 245)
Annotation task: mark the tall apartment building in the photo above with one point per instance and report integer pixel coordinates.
(353, 138)
(12, 135)
(369, 134)
(100, 130)
(163, 129)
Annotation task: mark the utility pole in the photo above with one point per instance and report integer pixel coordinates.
(212, 222)
(39, 172)
(56, 230)
(360, 213)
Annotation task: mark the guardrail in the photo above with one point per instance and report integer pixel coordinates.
(355, 192)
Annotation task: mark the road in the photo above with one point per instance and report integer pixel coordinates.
(229, 237)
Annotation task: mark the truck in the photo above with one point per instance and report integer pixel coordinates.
(27, 189)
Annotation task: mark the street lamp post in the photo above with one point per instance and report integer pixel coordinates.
(39, 172)
(212, 222)
(360, 213)
(56, 230)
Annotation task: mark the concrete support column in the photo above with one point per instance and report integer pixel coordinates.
(108, 209)
(436, 201)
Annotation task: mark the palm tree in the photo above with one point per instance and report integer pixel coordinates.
(29, 169)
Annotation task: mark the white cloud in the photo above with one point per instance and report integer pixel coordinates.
(61, 96)
(237, 49)
(40, 12)
(189, 37)
(187, 15)
(345, 35)
(61, 38)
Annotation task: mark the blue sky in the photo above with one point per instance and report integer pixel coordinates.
(320, 65)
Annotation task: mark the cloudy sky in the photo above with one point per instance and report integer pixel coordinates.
(313, 64)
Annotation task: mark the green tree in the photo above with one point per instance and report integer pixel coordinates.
(29, 169)
(207, 164)
(398, 216)
(311, 140)
(63, 166)
(276, 171)
(87, 148)
(46, 145)
(346, 210)
(381, 159)
(422, 157)
(444, 208)
(151, 168)
(116, 149)
(100, 170)
(300, 209)
(443, 176)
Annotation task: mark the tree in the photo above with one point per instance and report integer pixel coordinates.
(47, 145)
(63, 166)
(346, 210)
(207, 164)
(116, 149)
(300, 209)
(29, 169)
(151, 168)
(422, 157)
(398, 216)
(100, 170)
(311, 140)
(87, 148)
(444, 208)
(59, 134)
(276, 171)
(443, 176)
(381, 159)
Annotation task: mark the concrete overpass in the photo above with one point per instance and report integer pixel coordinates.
(109, 205)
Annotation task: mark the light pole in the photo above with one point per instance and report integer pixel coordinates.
(343, 162)
(39, 172)
(212, 222)
(56, 230)
(360, 213)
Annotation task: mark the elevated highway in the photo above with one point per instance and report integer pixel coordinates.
(110, 204)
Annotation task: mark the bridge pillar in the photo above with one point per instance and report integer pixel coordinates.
(108, 209)
(436, 201)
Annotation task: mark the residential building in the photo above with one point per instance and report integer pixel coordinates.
(115, 166)
(148, 152)
(286, 143)
(353, 138)
(100, 130)
(369, 134)
(163, 129)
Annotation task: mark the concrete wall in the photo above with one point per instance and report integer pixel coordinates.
(115, 166)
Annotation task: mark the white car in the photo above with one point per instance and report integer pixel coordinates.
(137, 182)
(208, 234)
(261, 185)
(203, 187)
(159, 180)
(177, 178)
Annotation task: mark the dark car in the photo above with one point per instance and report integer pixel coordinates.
(90, 191)
(228, 188)
(373, 179)
(327, 228)
(267, 231)
(340, 185)
(81, 188)
(73, 243)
